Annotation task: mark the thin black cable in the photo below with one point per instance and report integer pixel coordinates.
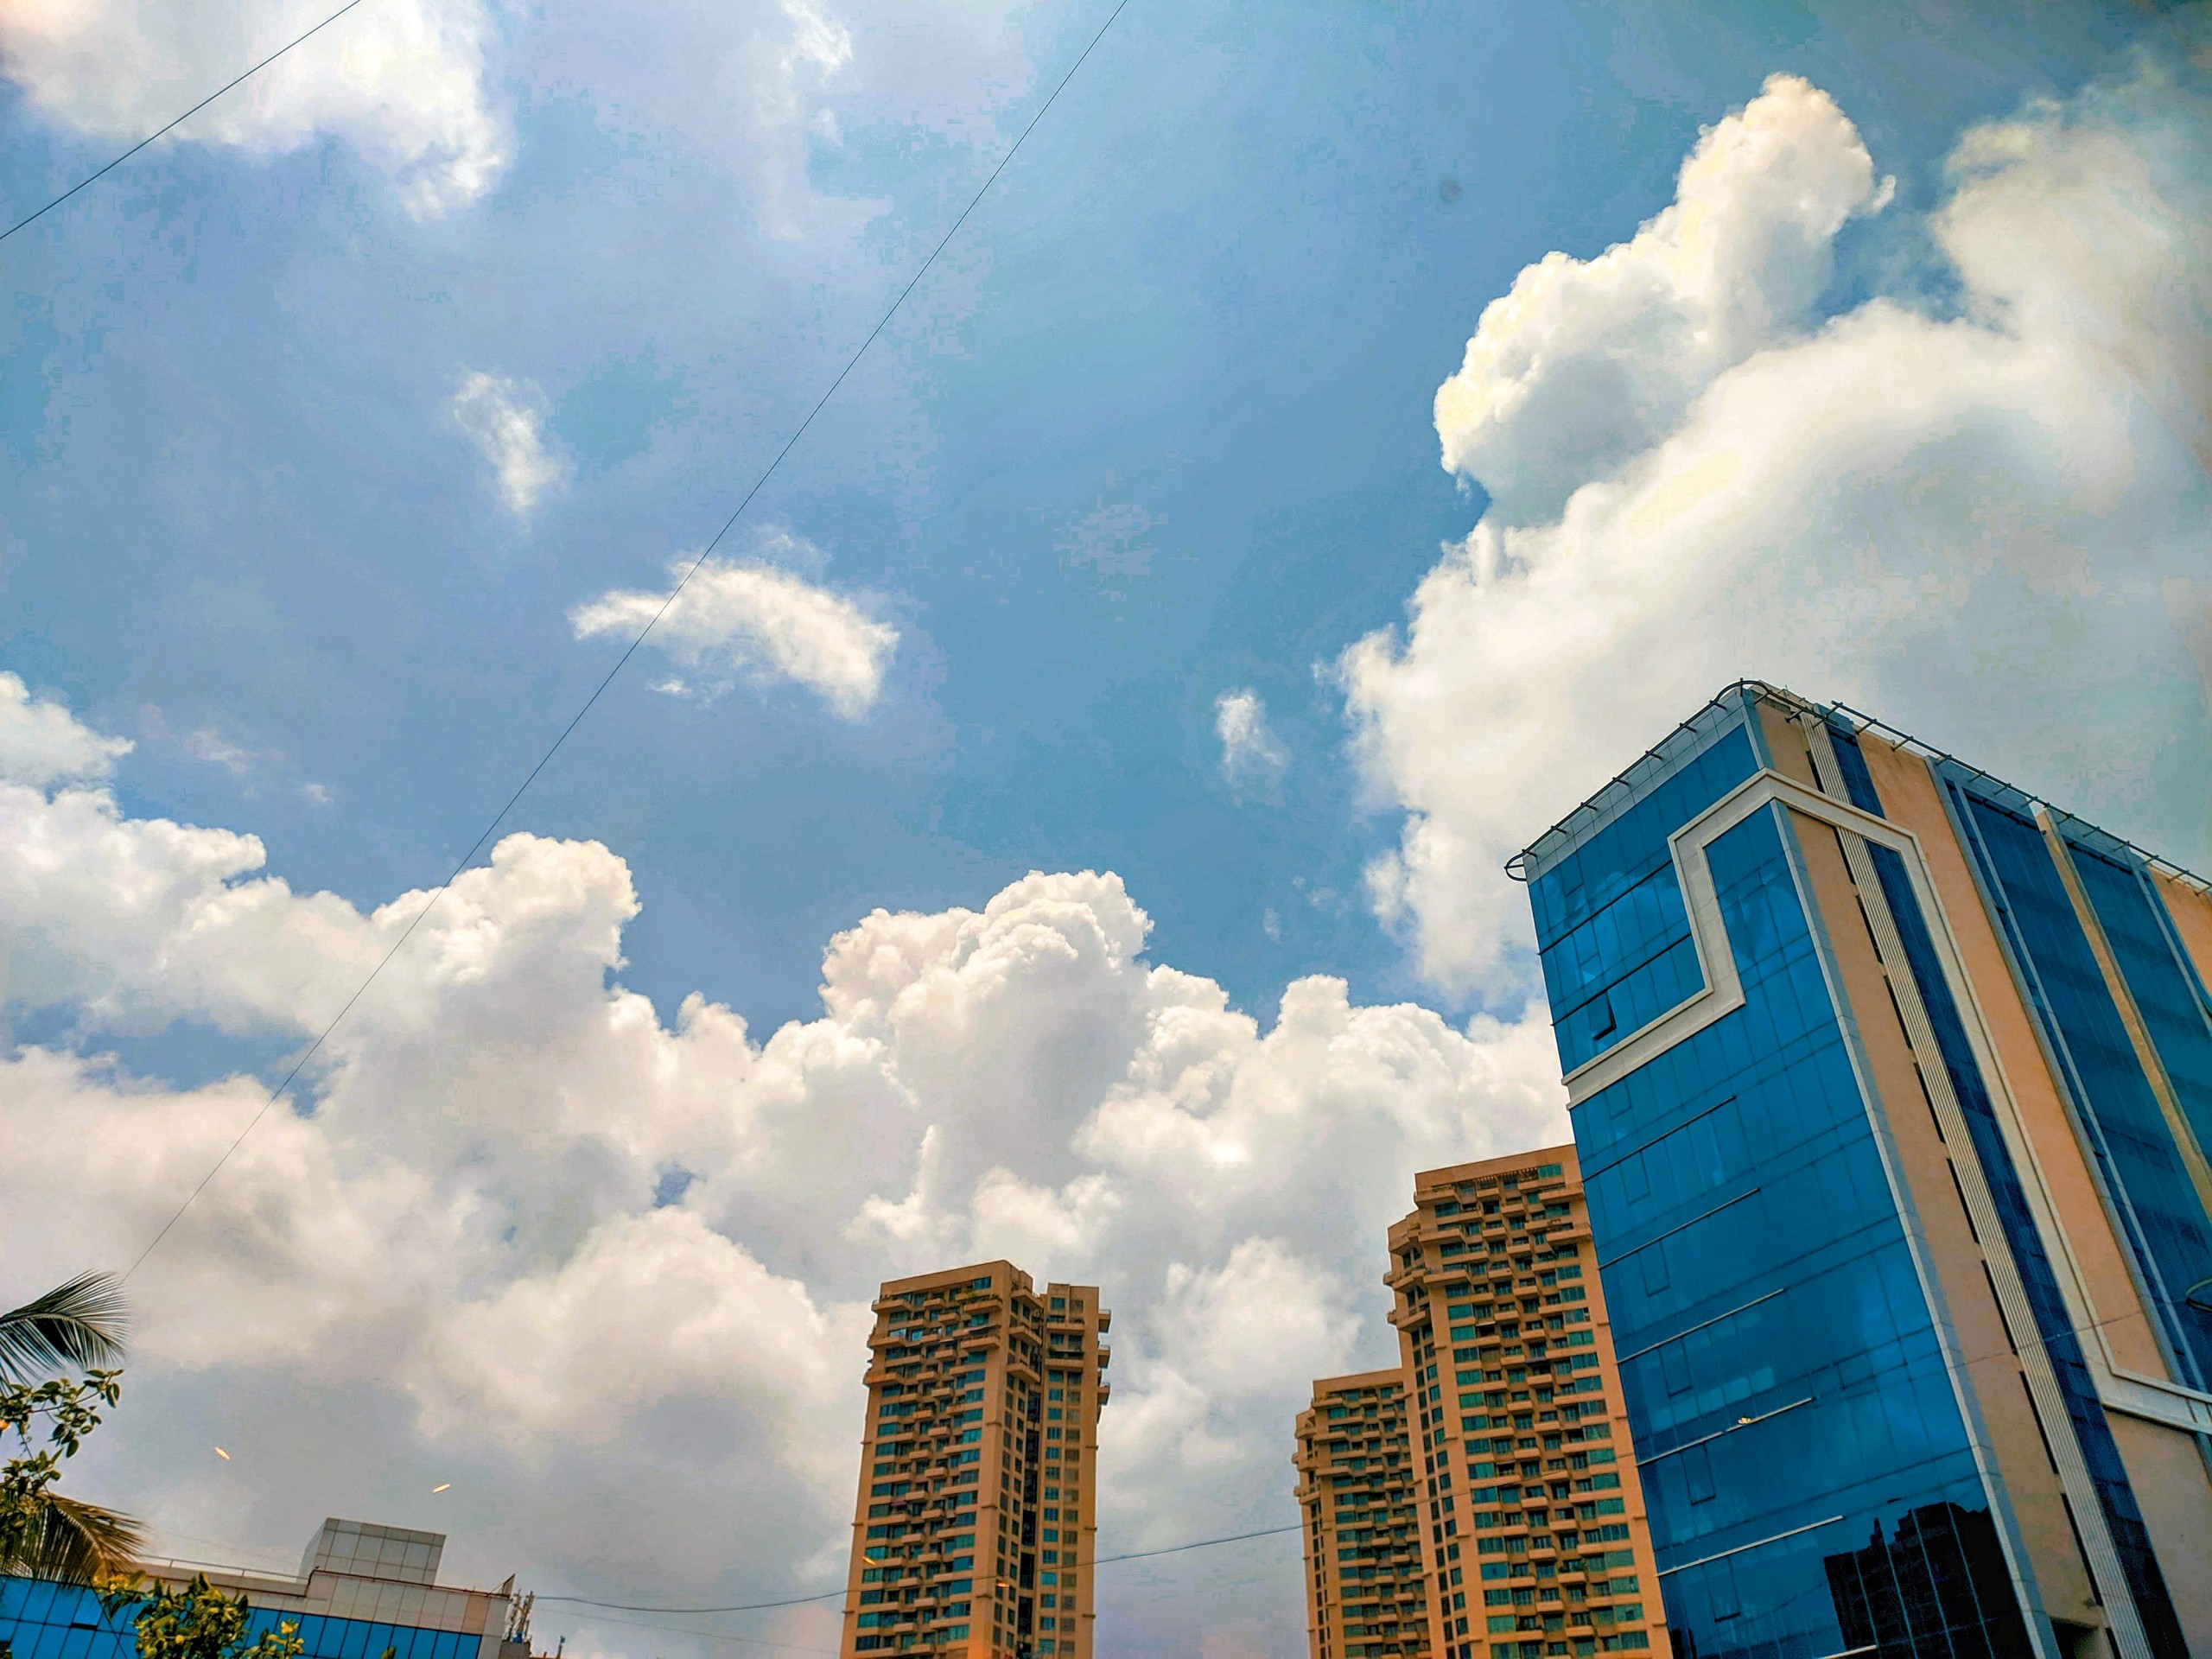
(740, 1607)
(729, 523)
(1203, 1543)
(833, 1595)
(716, 1636)
(180, 121)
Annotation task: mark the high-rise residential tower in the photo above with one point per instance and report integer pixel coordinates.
(1893, 1086)
(1358, 1491)
(974, 1531)
(1535, 1537)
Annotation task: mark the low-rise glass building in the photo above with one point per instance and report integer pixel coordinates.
(363, 1591)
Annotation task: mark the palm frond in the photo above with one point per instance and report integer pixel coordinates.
(73, 1543)
(79, 1325)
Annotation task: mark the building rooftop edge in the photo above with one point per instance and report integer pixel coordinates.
(275, 1581)
(942, 1275)
(1358, 1380)
(1517, 866)
(1504, 1160)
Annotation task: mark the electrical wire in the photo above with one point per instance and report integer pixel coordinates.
(1203, 1543)
(836, 1595)
(739, 1607)
(716, 1636)
(728, 523)
(227, 85)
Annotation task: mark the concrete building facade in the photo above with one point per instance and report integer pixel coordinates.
(976, 1520)
(1358, 1494)
(1532, 1512)
(1893, 1086)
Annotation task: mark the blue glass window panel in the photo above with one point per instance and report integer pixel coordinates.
(1633, 846)
(1788, 1278)
(2164, 988)
(1641, 993)
(1631, 930)
(2169, 1230)
(2092, 1432)
(1697, 1473)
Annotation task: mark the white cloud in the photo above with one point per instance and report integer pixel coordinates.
(758, 622)
(41, 743)
(1252, 757)
(401, 81)
(1948, 517)
(211, 746)
(505, 418)
(1265, 1321)
(787, 76)
(1582, 364)
(459, 1234)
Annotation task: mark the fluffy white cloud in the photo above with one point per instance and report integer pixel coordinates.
(1946, 513)
(41, 743)
(1251, 755)
(1582, 364)
(505, 418)
(757, 621)
(400, 81)
(461, 1229)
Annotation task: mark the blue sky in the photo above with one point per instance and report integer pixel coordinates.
(1214, 294)
(1158, 427)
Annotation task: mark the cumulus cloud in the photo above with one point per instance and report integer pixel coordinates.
(505, 418)
(402, 81)
(1252, 757)
(1950, 513)
(1582, 364)
(41, 743)
(756, 621)
(464, 1231)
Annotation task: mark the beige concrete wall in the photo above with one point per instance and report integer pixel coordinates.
(2174, 1494)
(2192, 914)
(2024, 1469)
(1909, 799)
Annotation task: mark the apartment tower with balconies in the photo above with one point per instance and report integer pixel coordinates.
(1526, 1488)
(975, 1527)
(1366, 1584)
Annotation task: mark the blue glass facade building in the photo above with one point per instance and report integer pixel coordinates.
(363, 1591)
(1892, 1089)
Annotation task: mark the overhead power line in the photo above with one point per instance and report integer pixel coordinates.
(834, 1595)
(94, 178)
(728, 523)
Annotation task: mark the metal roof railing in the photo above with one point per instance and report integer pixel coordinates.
(2025, 800)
